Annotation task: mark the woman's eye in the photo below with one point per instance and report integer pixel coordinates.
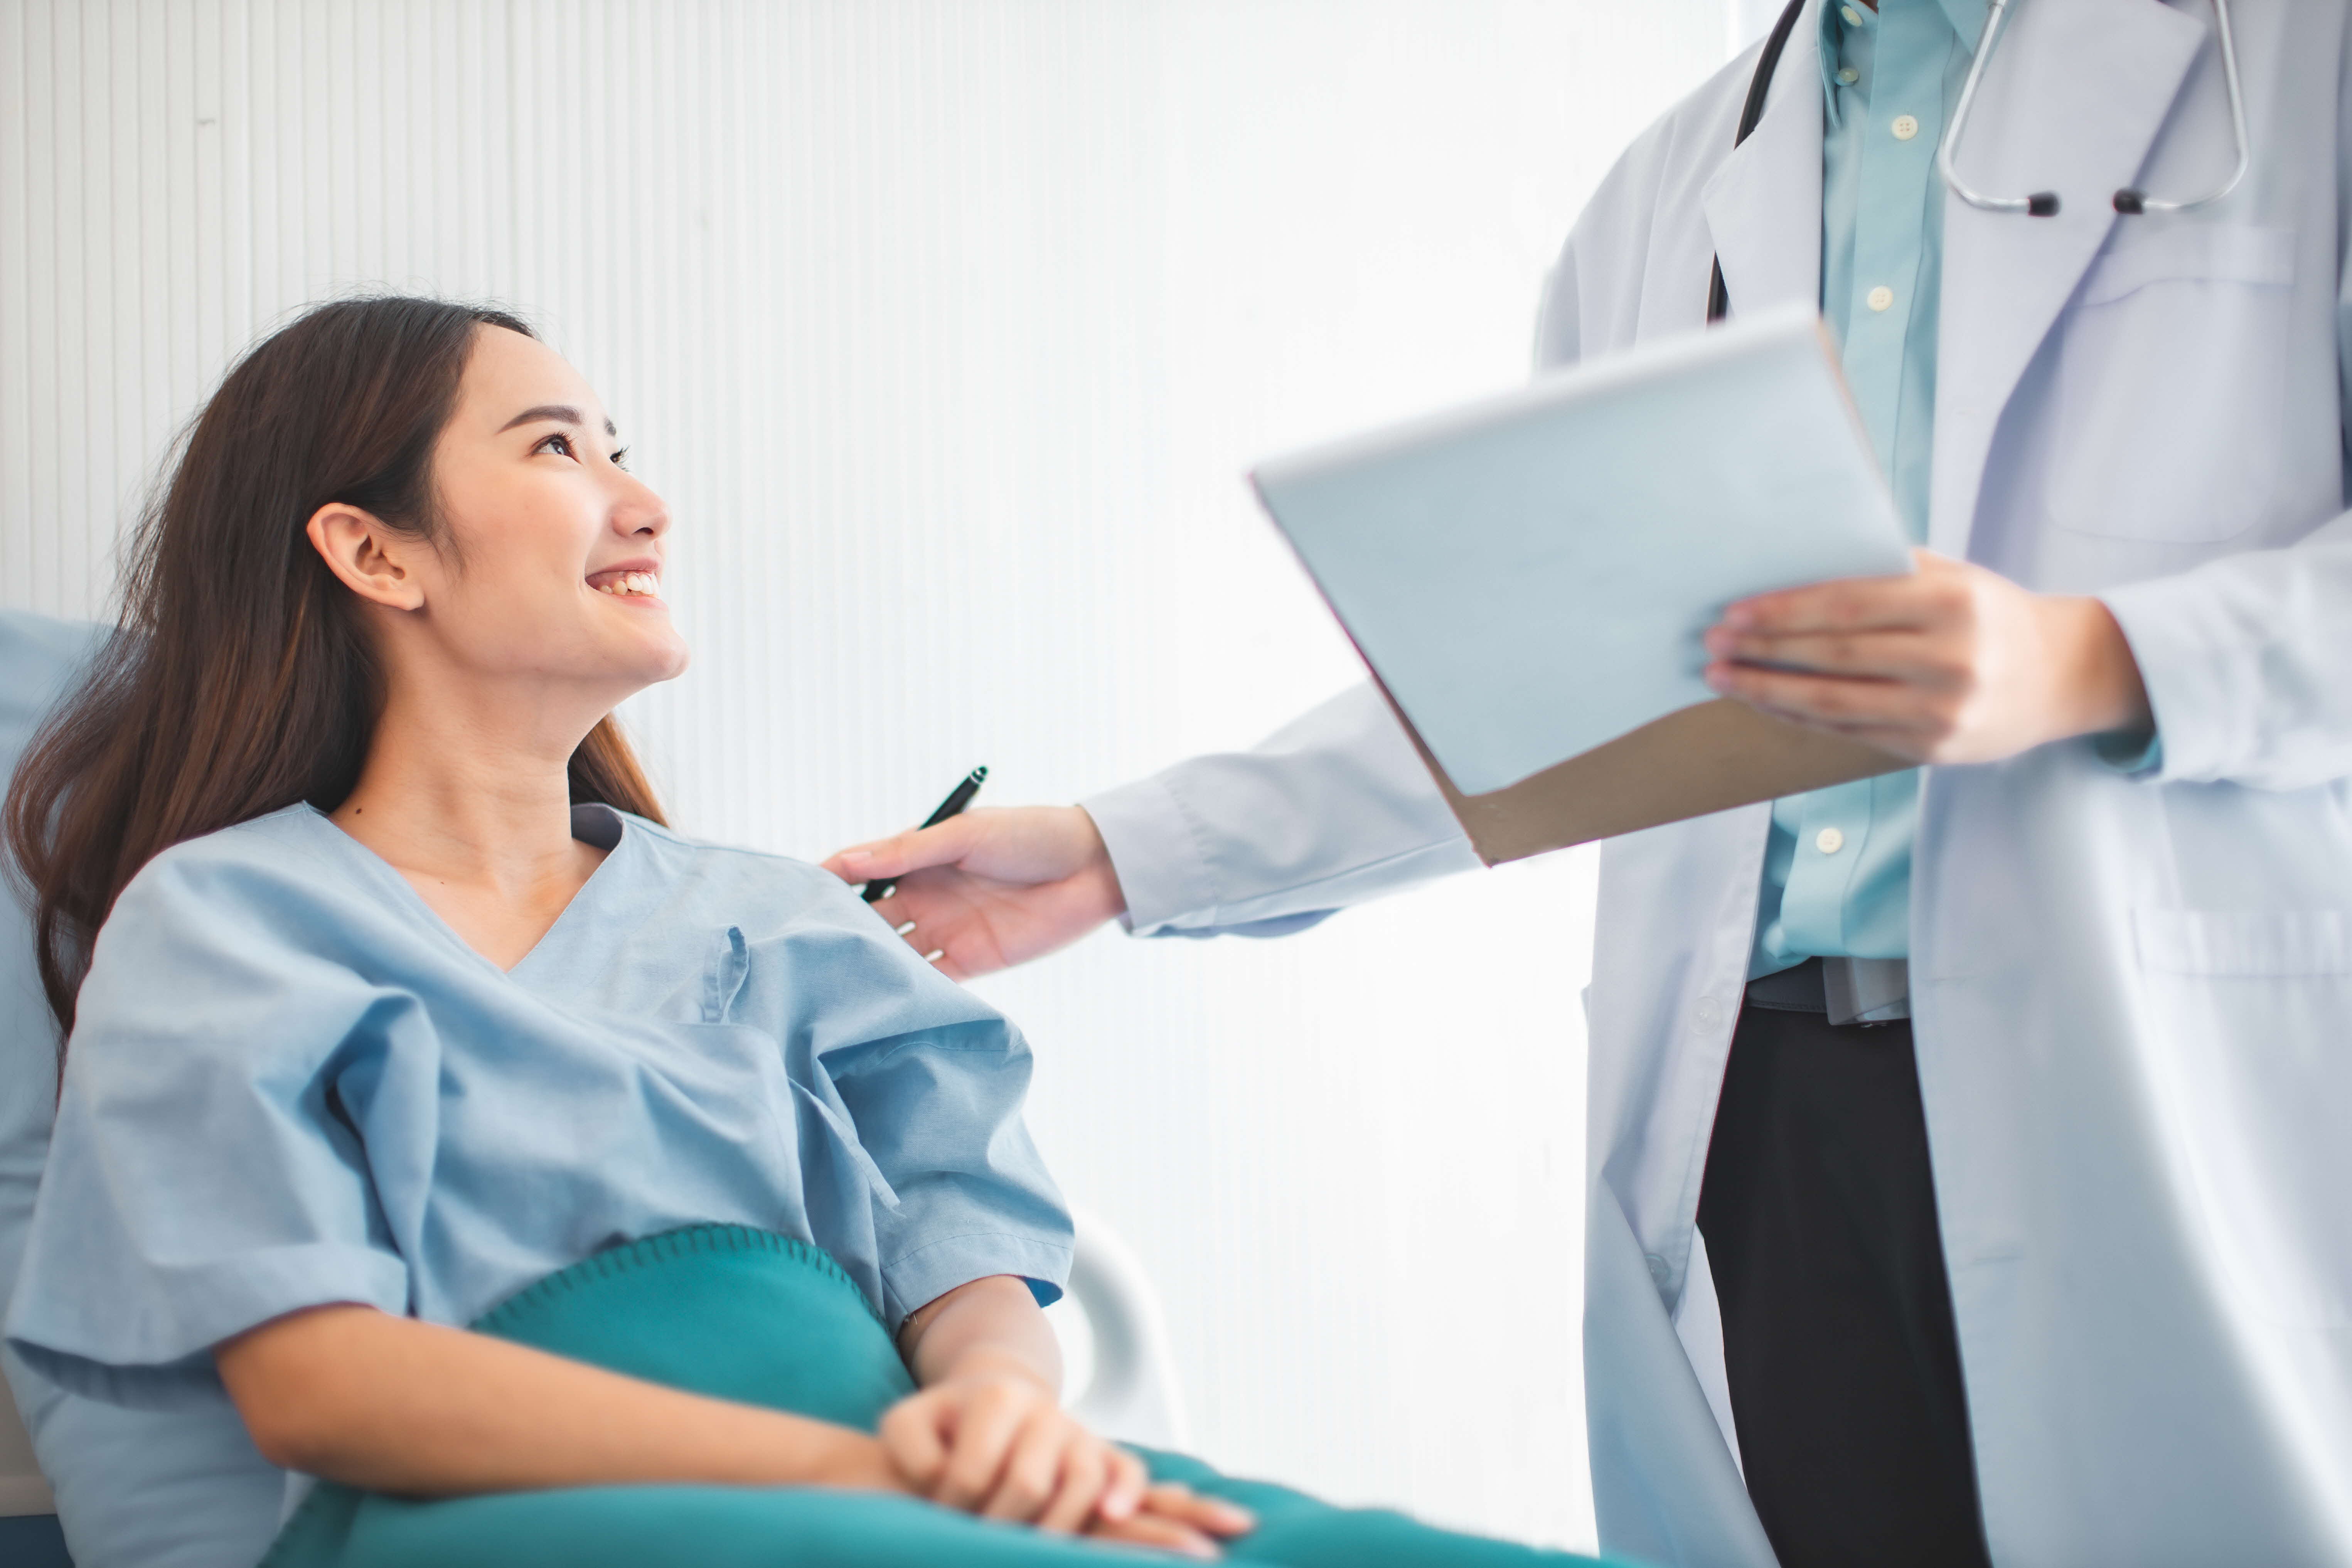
(621, 459)
(558, 443)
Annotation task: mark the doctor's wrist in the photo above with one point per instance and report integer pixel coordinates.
(2097, 686)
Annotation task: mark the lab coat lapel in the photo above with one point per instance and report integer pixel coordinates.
(1763, 204)
(2071, 102)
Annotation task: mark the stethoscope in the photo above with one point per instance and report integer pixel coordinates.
(2128, 201)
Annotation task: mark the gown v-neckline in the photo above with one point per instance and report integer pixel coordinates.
(384, 870)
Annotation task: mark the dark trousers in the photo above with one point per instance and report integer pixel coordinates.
(1819, 1211)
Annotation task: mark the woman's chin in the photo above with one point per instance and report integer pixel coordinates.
(656, 653)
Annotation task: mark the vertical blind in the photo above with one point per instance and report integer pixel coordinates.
(948, 327)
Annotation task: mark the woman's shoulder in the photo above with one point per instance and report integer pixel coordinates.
(755, 882)
(227, 927)
(278, 870)
(285, 844)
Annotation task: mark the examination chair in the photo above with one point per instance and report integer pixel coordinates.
(162, 1489)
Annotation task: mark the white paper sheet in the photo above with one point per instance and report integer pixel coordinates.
(1531, 576)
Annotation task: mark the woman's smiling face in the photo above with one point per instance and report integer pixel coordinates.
(551, 552)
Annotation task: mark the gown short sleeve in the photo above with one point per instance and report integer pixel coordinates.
(204, 1177)
(931, 1081)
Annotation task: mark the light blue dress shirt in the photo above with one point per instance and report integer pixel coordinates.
(292, 1083)
(1837, 869)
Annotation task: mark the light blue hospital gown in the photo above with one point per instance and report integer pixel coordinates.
(290, 1084)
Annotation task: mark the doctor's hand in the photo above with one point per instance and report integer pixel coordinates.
(992, 887)
(1952, 664)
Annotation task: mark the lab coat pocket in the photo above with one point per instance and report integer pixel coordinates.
(2250, 1030)
(2172, 386)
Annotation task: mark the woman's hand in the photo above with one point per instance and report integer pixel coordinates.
(992, 888)
(996, 1443)
(1177, 1519)
(988, 1434)
(992, 1440)
(1952, 664)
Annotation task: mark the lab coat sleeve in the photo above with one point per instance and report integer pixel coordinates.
(2244, 660)
(1332, 809)
(2245, 656)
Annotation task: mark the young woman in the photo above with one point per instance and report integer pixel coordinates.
(552, 1186)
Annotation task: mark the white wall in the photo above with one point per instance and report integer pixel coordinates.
(947, 328)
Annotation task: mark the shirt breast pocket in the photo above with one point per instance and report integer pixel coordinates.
(2171, 385)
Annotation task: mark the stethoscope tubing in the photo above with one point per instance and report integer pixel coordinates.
(2130, 201)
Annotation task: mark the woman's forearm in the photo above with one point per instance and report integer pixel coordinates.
(994, 1319)
(353, 1395)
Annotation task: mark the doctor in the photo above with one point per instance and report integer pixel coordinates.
(2058, 1269)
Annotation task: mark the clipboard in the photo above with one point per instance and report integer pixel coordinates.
(1440, 542)
(1700, 760)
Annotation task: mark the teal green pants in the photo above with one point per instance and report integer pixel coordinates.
(744, 1315)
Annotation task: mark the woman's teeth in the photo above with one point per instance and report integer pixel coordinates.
(629, 584)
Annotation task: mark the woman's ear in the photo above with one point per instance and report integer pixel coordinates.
(373, 560)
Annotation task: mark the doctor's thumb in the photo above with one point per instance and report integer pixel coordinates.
(882, 859)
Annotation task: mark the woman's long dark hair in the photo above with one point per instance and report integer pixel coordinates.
(243, 680)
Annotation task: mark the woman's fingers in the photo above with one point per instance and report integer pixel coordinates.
(1158, 1532)
(911, 1436)
(986, 1427)
(1129, 1480)
(1213, 1516)
(1037, 1467)
(1086, 1462)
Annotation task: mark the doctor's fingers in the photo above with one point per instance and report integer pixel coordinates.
(1940, 593)
(880, 859)
(1841, 702)
(1918, 658)
(939, 928)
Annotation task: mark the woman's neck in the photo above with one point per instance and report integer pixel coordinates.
(472, 805)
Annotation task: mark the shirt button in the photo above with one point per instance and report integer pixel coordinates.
(1905, 128)
(1829, 841)
(1878, 299)
(1853, 18)
(1848, 75)
(1708, 1012)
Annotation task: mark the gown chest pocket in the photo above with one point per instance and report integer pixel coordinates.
(2171, 385)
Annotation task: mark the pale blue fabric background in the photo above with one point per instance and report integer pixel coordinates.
(160, 1488)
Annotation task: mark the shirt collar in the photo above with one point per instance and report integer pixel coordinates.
(1967, 18)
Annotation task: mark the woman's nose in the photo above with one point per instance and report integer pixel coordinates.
(638, 511)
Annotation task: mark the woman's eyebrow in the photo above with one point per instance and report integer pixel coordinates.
(561, 413)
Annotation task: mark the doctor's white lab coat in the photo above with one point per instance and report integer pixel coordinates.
(2132, 993)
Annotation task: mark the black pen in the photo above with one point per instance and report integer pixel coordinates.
(958, 798)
